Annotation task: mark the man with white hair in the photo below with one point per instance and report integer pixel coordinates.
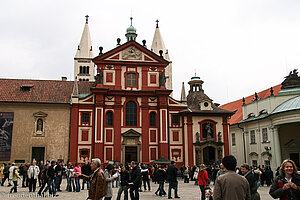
(97, 179)
(32, 173)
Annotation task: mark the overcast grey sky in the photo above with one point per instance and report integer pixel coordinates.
(237, 47)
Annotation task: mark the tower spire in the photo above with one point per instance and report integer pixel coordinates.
(159, 45)
(183, 95)
(84, 53)
(131, 32)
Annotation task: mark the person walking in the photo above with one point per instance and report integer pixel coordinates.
(25, 182)
(287, 184)
(41, 167)
(135, 181)
(77, 169)
(124, 177)
(10, 176)
(161, 178)
(186, 174)
(6, 174)
(109, 178)
(32, 173)
(202, 180)
(1, 172)
(43, 177)
(51, 179)
(248, 174)
(146, 177)
(59, 169)
(15, 180)
(172, 179)
(86, 170)
(98, 183)
(231, 186)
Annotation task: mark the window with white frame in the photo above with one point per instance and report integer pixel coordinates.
(252, 136)
(265, 135)
(233, 139)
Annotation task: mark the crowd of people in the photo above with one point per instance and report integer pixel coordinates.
(228, 180)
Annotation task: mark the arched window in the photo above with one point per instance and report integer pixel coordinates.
(131, 114)
(83, 71)
(152, 119)
(131, 79)
(39, 125)
(109, 118)
(87, 69)
(80, 71)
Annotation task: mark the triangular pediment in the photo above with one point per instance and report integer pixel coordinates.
(40, 114)
(131, 52)
(131, 133)
(292, 144)
(173, 102)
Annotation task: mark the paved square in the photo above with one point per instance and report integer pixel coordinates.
(185, 191)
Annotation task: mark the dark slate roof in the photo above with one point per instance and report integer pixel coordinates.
(39, 91)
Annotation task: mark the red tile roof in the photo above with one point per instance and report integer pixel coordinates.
(237, 105)
(41, 91)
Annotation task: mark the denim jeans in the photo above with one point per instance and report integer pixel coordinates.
(134, 193)
(71, 184)
(87, 184)
(77, 184)
(161, 188)
(121, 189)
(148, 183)
(58, 180)
(14, 188)
(173, 185)
(52, 187)
(24, 181)
(202, 192)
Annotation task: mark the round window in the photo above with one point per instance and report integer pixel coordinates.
(205, 104)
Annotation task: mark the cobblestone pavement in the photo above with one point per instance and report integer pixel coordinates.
(186, 191)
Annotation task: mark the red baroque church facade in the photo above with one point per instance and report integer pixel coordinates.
(129, 114)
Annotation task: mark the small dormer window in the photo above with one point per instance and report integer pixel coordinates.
(251, 115)
(26, 87)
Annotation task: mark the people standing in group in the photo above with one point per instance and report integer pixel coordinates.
(25, 181)
(11, 169)
(124, 180)
(202, 180)
(231, 186)
(15, 178)
(172, 179)
(41, 167)
(43, 177)
(109, 178)
(248, 174)
(32, 174)
(86, 170)
(269, 176)
(117, 170)
(98, 183)
(287, 184)
(135, 181)
(6, 174)
(1, 172)
(186, 174)
(59, 170)
(51, 179)
(161, 177)
(70, 178)
(221, 171)
(77, 169)
(146, 177)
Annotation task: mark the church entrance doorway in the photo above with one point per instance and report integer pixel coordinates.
(209, 155)
(130, 154)
(38, 154)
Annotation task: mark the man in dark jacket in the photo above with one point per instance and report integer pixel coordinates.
(51, 178)
(86, 170)
(172, 179)
(124, 178)
(161, 177)
(247, 173)
(135, 181)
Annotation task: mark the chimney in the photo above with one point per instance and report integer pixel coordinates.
(63, 78)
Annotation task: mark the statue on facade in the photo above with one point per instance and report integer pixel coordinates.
(39, 126)
(162, 79)
(209, 131)
(197, 137)
(100, 77)
(219, 137)
(291, 81)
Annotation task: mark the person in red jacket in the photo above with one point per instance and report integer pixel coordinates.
(202, 180)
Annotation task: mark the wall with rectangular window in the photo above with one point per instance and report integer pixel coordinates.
(233, 142)
(265, 134)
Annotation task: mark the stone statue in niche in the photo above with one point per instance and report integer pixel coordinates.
(132, 53)
(208, 131)
(162, 79)
(39, 126)
(197, 137)
(219, 137)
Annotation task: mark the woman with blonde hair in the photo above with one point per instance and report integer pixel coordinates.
(202, 180)
(287, 185)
